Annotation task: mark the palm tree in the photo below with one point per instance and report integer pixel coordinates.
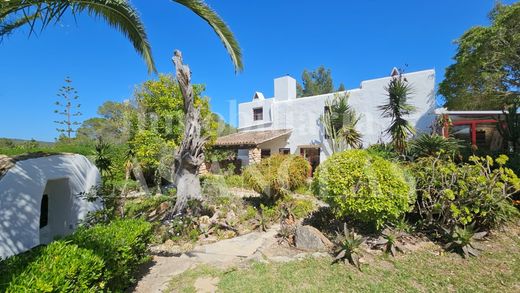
(398, 91)
(119, 14)
(339, 122)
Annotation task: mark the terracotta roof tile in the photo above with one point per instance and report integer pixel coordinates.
(251, 138)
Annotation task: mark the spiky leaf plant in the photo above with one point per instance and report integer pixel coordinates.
(397, 108)
(262, 222)
(390, 241)
(349, 246)
(286, 234)
(339, 122)
(426, 145)
(119, 14)
(461, 240)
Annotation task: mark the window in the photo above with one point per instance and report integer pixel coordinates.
(284, 151)
(44, 211)
(265, 153)
(258, 114)
(481, 137)
(326, 111)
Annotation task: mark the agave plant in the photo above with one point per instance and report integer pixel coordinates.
(287, 215)
(262, 223)
(286, 234)
(398, 92)
(461, 239)
(390, 241)
(119, 14)
(349, 244)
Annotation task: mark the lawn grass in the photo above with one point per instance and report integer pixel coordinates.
(497, 269)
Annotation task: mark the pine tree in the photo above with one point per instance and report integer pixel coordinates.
(68, 108)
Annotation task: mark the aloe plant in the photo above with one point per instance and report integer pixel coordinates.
(461, 240)
(390, 241)
(349, 246)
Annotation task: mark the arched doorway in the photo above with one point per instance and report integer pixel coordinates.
(55, 209)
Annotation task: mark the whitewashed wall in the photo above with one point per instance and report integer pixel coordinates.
(21, 191)
(302, 115)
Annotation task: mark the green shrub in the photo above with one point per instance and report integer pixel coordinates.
(364, 187)
(235, 181)
(214, 186)
(475, 192)
(122, 244)
(385, 151)
(58, 267)
(101, 258)
(143, 206)
(275, 176)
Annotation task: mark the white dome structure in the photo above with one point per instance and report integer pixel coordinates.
(41, 198)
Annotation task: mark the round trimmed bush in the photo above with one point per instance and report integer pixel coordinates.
(275, 176)
(364, 187)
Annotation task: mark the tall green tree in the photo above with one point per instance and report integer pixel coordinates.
(397, 108)
(69, 108)
(119, 14)
(486, 72)
(509, 127)
(339, 122)
(317, 82)
(112, 125)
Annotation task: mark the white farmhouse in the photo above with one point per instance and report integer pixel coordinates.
(287, 124)
(41, 198)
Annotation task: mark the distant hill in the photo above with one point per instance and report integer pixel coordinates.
(18, 141)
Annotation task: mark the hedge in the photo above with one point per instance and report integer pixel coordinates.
(364, 187)
(101, 258)
(276, 176)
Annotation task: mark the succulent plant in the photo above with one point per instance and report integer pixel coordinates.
(461, 239)
(349, 244)
(390, 241)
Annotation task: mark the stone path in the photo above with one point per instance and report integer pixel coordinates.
(220, 254)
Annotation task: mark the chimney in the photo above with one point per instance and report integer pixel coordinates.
(284, 88)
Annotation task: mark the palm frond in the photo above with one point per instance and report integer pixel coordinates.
(219, 26)
(7, 27)
(119, 14)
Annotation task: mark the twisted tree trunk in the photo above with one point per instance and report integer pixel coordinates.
(190, 154)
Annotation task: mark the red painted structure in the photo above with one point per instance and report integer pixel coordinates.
(472, 124)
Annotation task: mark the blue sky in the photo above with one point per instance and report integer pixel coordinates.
(358, 40)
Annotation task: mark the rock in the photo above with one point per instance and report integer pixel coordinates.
(257, 257)
(204, 224)
(169, 243)
(311, 239)
(228, 234)
(280, 259)
(163, 207)
(206, 285)
(231, 217)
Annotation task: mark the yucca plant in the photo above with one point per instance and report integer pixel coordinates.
(461, 239)
(339, 122)
(349, 246)
(119, 14)
(102, 158)
(397, 108)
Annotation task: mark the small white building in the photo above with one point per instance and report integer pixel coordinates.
(287, 124)
(41, 198)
